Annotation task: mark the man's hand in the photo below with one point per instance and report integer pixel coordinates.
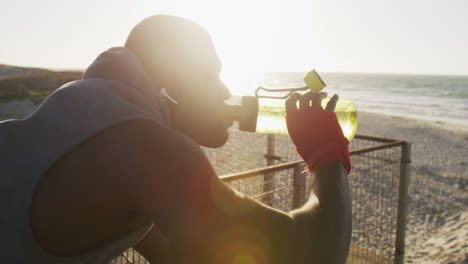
(316, 132)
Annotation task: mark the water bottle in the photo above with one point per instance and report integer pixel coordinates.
(266, 114)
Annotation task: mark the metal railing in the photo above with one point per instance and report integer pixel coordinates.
(379, 186)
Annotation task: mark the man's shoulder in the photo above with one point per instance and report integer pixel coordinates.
(125, 156)
(140, 138)
(130, 147)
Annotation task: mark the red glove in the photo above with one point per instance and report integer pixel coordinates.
(317, 135)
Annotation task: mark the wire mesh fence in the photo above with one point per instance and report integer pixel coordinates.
(130, 256)
(374, 185)
(374, 190)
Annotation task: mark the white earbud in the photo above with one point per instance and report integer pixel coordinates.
(164, 93)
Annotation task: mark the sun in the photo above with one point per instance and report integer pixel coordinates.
(251, 37)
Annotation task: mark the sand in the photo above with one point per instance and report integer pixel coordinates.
(437, 230)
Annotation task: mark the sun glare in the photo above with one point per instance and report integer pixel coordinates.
(251, 37)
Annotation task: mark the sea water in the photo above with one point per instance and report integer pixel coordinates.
(427, 97)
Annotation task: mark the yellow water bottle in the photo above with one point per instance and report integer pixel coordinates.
(266, 114)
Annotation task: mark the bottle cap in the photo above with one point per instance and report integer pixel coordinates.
(314, 81)
(248, 122)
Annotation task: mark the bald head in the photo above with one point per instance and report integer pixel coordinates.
(167, 45)
(178, 55)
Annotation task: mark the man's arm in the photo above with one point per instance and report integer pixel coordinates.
(326, 227)
(208, 222)
(327, 215)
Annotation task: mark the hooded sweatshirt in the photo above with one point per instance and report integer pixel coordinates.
(114, 89)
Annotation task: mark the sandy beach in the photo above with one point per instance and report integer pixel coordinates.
(437, 230)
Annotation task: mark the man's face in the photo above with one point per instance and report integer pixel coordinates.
(200, 112)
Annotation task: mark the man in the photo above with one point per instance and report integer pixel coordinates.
(107, 163)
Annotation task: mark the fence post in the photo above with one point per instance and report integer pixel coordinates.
(299, 182)
(402, 202)
(268, 179)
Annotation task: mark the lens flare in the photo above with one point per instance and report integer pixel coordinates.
(241, 245)
(243, 260)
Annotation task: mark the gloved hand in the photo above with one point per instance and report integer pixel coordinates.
(316, 132)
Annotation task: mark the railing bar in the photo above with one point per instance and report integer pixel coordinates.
(269, 192)
(288, 165)
(268, 182)
(378, 139)
(263, 183)
(383, 146)
(256, 172)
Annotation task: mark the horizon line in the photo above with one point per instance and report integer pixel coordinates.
(275, 71)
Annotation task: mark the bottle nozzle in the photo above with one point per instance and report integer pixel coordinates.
(245, 114)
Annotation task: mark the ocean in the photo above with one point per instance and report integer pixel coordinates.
(426, 97)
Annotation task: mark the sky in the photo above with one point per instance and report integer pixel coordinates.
(377, 36)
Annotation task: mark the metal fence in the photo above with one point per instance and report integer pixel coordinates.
(268, 169)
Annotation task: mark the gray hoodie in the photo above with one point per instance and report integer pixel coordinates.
(114, 89)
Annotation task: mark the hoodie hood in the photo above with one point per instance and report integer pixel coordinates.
(119, 64)
(122, 65)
